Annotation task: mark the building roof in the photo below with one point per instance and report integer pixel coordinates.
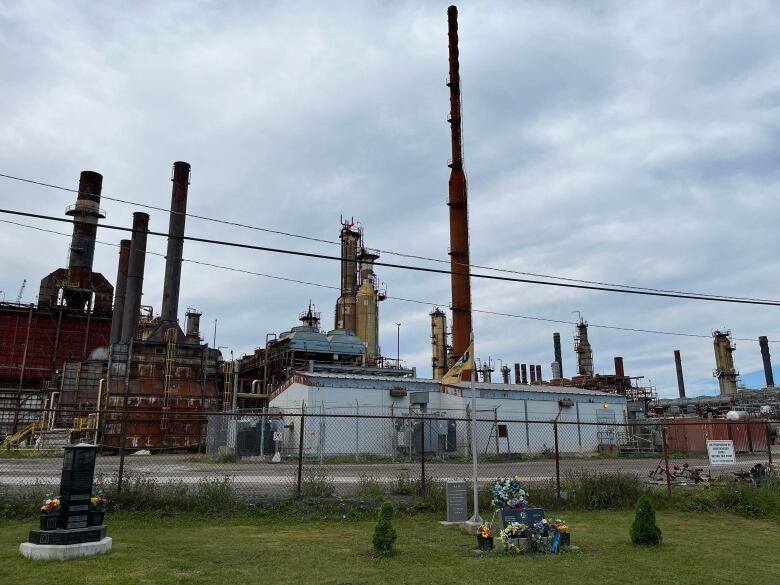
(337, 379)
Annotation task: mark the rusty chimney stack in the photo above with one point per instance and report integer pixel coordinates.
(85, 213)
(517, 374)
(173, 256)
(524, 374)
(458, 204)
(346, 305)
(135, 276)
(619, 371)
(539, 373)
(119, 291)
(678, 367)
(763, 342)
(532, 368)
(558, 354)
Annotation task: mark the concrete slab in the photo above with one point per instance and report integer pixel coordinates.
(63, 552)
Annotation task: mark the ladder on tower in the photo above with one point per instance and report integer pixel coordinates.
(170, 356)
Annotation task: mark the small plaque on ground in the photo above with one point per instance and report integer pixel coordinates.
(527, 516)
(457, 501)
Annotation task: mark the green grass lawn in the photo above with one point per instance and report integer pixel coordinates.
(703, 548)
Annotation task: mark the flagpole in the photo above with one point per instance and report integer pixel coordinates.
(476, 518)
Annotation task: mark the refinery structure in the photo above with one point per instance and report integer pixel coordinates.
(100, 364)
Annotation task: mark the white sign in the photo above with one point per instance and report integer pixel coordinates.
(721, 452)
(277, 436)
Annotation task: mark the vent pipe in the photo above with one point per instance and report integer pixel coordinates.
(678, 367)
(764, 343)
(458, 204)
(524, 374)
(120, 291)
(178, 215)
(135, 276)
(558, 354)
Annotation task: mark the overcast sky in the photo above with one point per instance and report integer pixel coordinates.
(623, 142)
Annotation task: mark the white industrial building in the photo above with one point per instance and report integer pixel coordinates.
(514, 418)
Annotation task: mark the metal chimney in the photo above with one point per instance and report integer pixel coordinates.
(346, 305)
(725, 371)
(539, 373)
(85, 213)
(524, 373)
(763, 342)
(135, 276)
(583, 349)
(619, 371)
(678, 367)
(558, 353)
(532, 368)
(120, 291)
(178, 216)
(517, 374)
(458, 204)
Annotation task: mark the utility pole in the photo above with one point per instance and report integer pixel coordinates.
(214, 344)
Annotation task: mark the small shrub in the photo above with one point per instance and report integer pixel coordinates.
(644, 530)
(317, 484)
(368, 487)
(384, 533)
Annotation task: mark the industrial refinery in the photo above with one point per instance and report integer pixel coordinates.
(101, 364)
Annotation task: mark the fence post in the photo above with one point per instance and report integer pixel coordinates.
(300, 456)
(768, 443)
(422, 456)
(557, 464)
(666, 460)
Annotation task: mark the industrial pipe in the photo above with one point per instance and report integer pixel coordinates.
(85, 213)
(619, 371)
(135, 276)
(532, 368)
(517, 374)
(539, 373)
(524, 374)
(120, 292)
(173, 256)
(97, 416)
(557, 352)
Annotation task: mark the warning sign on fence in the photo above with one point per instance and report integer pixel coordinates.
(277, 436)
(721, 452)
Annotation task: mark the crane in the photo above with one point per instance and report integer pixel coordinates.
(21, 291)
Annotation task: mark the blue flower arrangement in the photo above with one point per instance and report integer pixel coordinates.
(508, 492)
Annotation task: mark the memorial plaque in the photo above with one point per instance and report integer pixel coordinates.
(527, 516)
(78, 472)
(457, 501)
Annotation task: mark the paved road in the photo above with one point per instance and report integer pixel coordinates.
(262, 478)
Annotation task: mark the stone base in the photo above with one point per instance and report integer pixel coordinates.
(69, 536)
(63, 552)
(471, 527)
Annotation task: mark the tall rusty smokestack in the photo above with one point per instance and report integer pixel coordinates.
(557, 352)
(346, 305)
(85, 213)
(135, 276)
(763, 342)
(532, 368)
(120, 291)
(539, 373)
(517, 374)
(619, 370)
(678, 367)
(173, 256)
(524, 374)
(458, 204)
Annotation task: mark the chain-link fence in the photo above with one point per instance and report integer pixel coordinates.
(270, 453)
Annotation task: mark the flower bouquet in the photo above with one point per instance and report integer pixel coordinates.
(97, 509)
(50, 513)
(560, 528)
(515, 538)
(538, 534)
(485, 537)
(508, 492)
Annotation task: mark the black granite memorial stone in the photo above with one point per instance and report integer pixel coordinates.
(78, 473)
(527, 516)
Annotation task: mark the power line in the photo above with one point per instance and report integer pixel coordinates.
(389, 252)
(402, 299)
(408, 267)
